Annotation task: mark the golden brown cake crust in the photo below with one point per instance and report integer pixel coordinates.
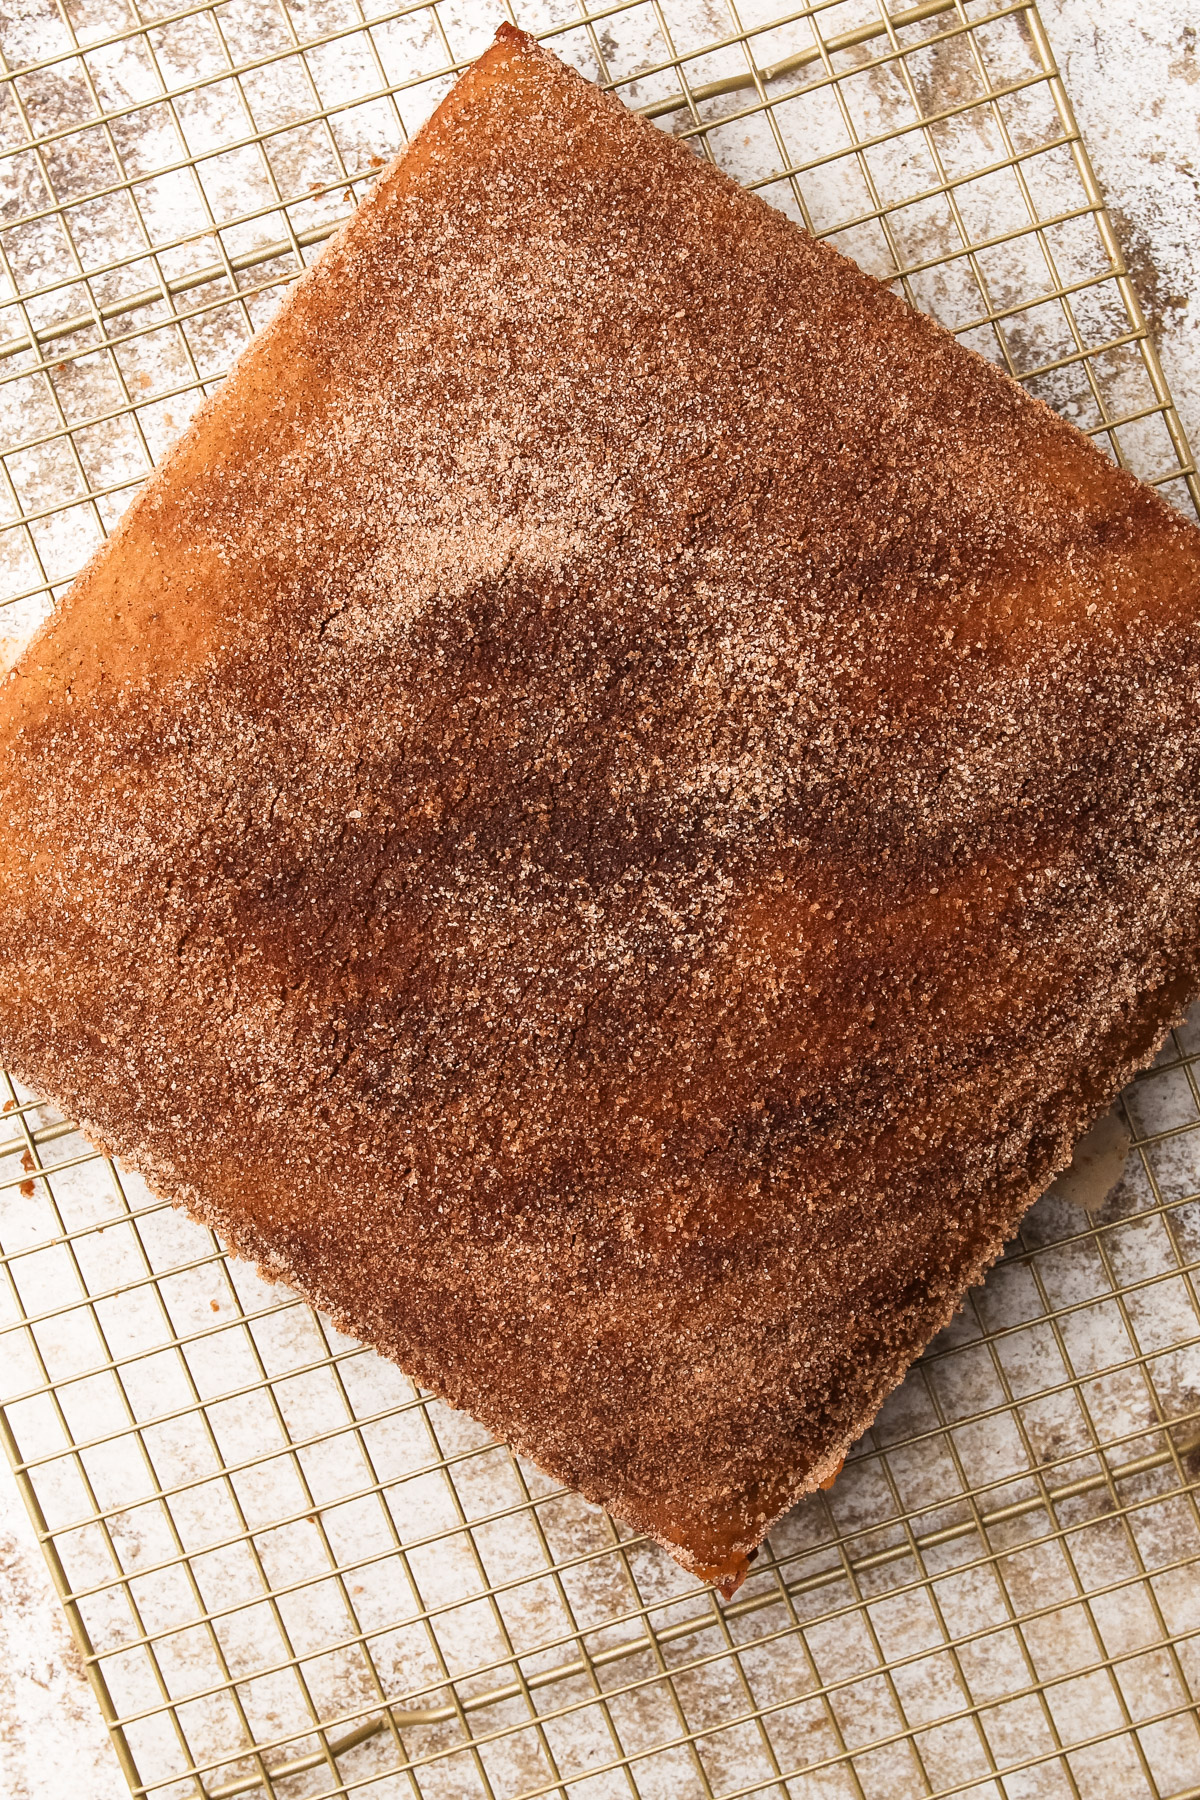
(611, 810)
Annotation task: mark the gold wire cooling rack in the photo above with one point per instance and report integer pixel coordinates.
(287, 1571)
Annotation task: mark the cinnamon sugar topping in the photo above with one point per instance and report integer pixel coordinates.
(612, 811)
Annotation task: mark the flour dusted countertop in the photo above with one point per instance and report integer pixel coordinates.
(1133, 73)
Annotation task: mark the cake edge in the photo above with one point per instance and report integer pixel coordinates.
(1146, 1030)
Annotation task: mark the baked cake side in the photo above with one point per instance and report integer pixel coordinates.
(611, 811)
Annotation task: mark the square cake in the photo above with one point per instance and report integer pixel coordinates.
(611, 811)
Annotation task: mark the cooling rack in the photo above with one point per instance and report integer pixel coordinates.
(289, 1572)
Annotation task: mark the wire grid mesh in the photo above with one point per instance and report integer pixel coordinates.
(287, 1570)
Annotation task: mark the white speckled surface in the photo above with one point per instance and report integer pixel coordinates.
(1134, 74)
